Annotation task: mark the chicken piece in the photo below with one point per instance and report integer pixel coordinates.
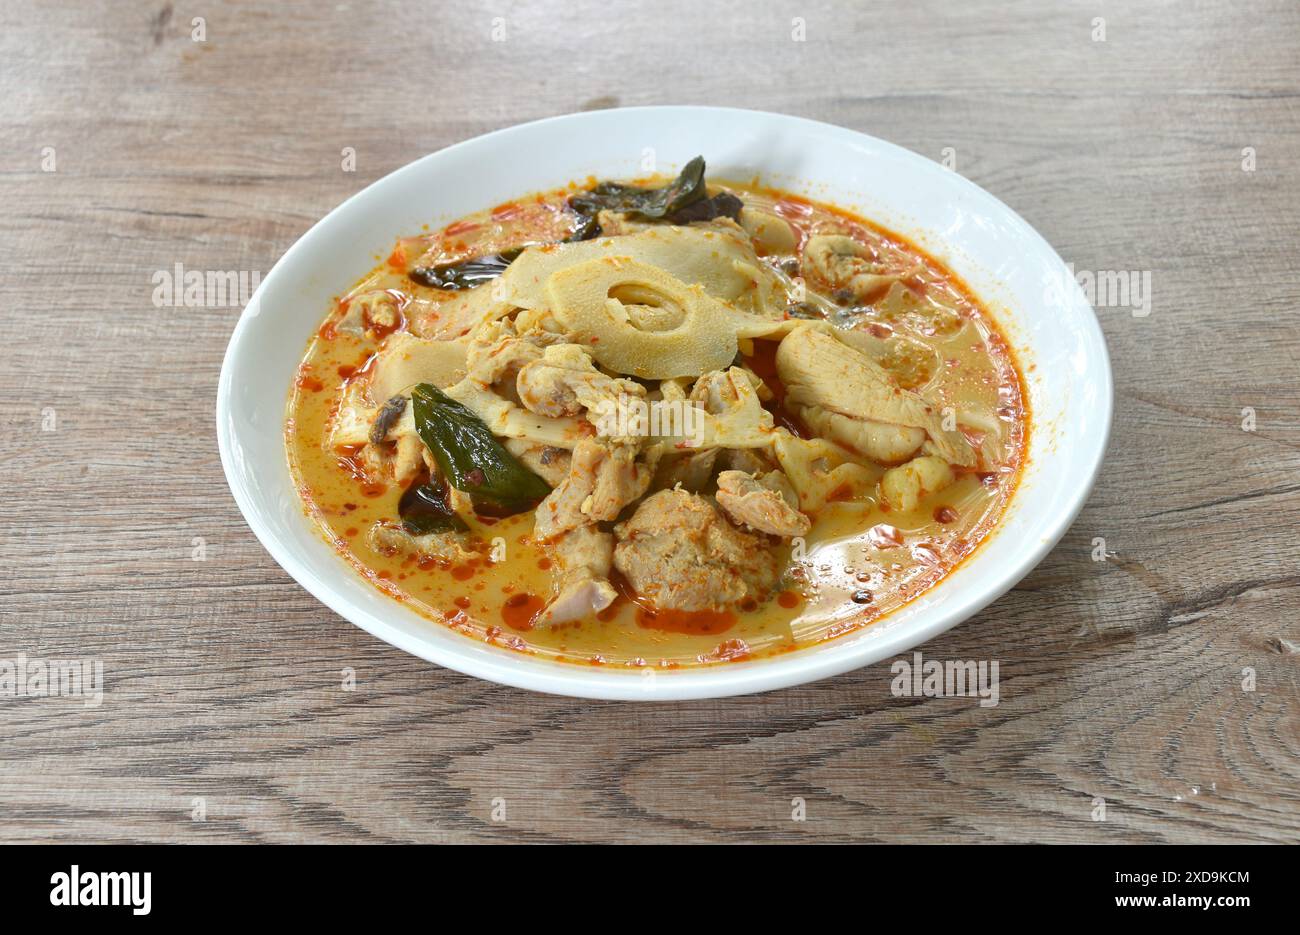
(819, 470)
(905, 486)
(564, 381)
(604, 476)
(733, 415)
(394, 446)
(691, 471)
(679, 553)
(380, 310)
(766, 503)
(460, 502)
(496, 351)
(382, 441)
(391, 539)
(408, 458)
(880, 441)
(748, 460)
(761, 389)
(583, 557)
(537, 319)
(372, 313)
(548, 462)
(845, 395)
(843, 263)
(910, 363)
(721, 390)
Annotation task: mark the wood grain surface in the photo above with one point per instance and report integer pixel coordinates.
(1163, 680)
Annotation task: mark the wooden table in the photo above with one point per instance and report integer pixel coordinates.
(1127, 680)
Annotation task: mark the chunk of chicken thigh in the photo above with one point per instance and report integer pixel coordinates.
(604, 476)
(766, 503)
(564, 381)
(495, 350)
(549, 463)
(679, 553)
(583, 557)
(843, 263)
(392, 539)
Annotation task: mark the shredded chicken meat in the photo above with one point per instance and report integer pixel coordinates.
(766, 503)
(604, 476)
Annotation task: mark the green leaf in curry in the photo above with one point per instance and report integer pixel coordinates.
(651, 203)
(587, 228)
(470, 457)
(466, 274)
(424, 509)
(480, 269)
(681, 201)
(721, 205)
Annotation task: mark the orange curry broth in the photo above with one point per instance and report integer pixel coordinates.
(861, 561)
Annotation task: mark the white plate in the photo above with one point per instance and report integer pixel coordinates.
(1007, 264)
